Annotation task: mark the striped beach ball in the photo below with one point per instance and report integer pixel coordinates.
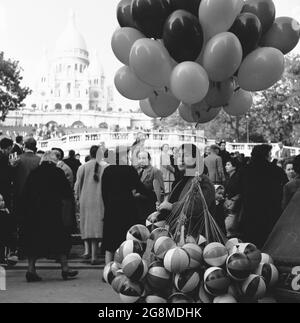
(118, 282)
(270, 274)
(155, 299)
(130, 246)
(117, 257)
(176, 260)
(131, 292)
(251, 251)
(110, 271)
(238, 266)
(134, 267)
(195, 253)
(235, 290)
(162, 245)
(254, 287)
(158, 278)
(232, 243)
(202, 242)
(160, 232)
(180, 298)
(187, 281)
(225, 299)
(190, 239)
(266, 259)
(216, 282)
(138, 232)
(204, 297)
(215, 254)
(159, 222)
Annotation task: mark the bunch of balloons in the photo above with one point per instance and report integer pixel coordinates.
(200, 55)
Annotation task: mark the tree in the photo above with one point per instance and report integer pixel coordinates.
(12, 93)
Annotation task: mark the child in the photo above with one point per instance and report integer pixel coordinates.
(220, 214)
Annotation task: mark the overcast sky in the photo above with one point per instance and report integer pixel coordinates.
(28, 26)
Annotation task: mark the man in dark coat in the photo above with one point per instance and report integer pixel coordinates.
(73, 163)
(224, 154)
(18, 147)
(261, 187)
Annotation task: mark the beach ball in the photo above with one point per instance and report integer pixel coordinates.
(231, 243)
(117, 257)
(130, 246)
(270, 274)
(162, 245)
(134, 267)
(159, 222)
(110, 271)
(160, 232)
(195, 253)
(202, 242)
(238, 266)
(176, 260)
(216, 282)
(155, 299)
(179, 298)
(251, 251)
(254, 287)
(215, 254)
(225, 299)
(204, 297)
(131, 292)
(118, 282)
(158, 278)
(266, 259)
(235, 290)
(190, 239)
(187, 281)
(138, 232)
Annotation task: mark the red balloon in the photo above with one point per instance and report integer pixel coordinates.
(283, 35)
(124, 15)
(265, 11)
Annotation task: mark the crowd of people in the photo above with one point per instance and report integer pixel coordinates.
(41, 193)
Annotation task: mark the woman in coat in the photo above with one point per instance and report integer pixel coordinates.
(88, 192)
(120, 212)
(46, 216)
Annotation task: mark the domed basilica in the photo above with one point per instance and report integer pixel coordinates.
(71, 90)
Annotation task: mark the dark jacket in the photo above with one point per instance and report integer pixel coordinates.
(5, 179)
(261, 187)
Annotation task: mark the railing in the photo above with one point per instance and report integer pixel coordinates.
(112, 139)
(154, 140)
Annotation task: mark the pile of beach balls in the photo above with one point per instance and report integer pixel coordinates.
(197, 272)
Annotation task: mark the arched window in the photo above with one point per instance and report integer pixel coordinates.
(68, 106)
(58, 106)
(78, 107)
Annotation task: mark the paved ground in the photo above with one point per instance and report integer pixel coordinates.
(87, 288)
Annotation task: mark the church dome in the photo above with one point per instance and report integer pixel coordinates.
(71, 39)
